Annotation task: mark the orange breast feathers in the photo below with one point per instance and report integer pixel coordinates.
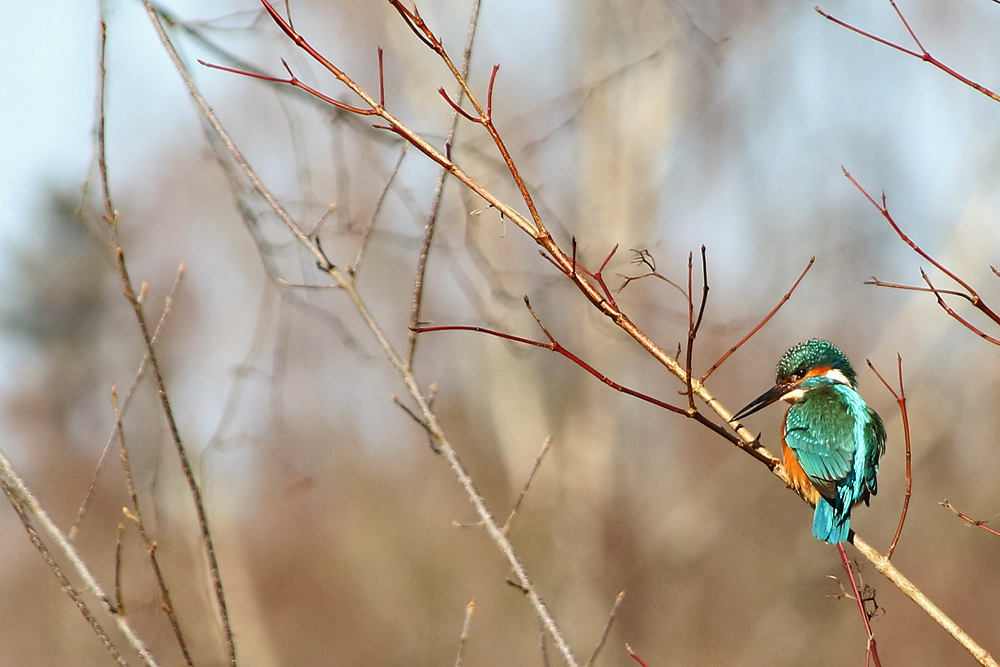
(797, 478)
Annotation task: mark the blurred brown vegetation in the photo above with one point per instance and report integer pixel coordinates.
(657, 125)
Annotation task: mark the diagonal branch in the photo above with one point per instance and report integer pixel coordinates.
(764, 321)
(922, 54)
(19, 494)
(971, 295)
(974, 522)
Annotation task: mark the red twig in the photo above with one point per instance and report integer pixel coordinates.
(901, 400)
(489, 91)
(463, 113)
(634, 656)
(293, 81)
(381, 79)
(554, 346)
(764, 321)
(972, 296)
(872, 649)
(922, 54)
(421, 29)
(596, 275)
(974, 522)
(948, 309)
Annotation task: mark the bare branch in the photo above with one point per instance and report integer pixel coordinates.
(462, 638)
(24, 500)
(524, 490)
(972, 296)
(193, 488)
(922, 54)
(353, 268)
(431, 227)
(974, 522)
(64, 582)
(607, 628)
(786, 297)
(901, 400)
(872, 649)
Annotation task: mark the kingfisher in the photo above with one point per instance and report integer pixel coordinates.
(832, 440)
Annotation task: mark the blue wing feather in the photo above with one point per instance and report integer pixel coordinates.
(838, 441)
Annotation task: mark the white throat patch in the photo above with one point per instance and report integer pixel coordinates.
(837, 376)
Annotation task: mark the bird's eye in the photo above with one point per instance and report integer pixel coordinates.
(799, 374)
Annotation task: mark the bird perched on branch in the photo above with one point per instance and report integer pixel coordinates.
(832, 439)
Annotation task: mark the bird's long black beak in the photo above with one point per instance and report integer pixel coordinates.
(764, 400)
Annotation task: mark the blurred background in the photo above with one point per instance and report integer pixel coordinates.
(648, 125)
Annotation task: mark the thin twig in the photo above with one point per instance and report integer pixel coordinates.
(872, 648)
(634, 656)
(555, 346)
(607, 628)
(972, 296)
(432, 216)
(462, 638)
(193, 488)
(167, 305)
(901, 400)
(110, 215)
(948, 309)
(353, 268)
(135, 515)
(974, 522)
(119, 598)
(64, 582)
(524, 490)
(645, 258)
(915, 288)
(25, 499)
(923, 54)
(786, 297)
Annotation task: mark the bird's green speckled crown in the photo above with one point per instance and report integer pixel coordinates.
(812, 354)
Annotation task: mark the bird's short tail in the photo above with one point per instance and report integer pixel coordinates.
(829, 524)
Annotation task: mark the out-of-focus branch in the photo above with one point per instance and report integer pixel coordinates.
(64, 581)
(462, 638)
(23, 499)
(431, 227)
(607, 628)
(135, 515)
(182, 457)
